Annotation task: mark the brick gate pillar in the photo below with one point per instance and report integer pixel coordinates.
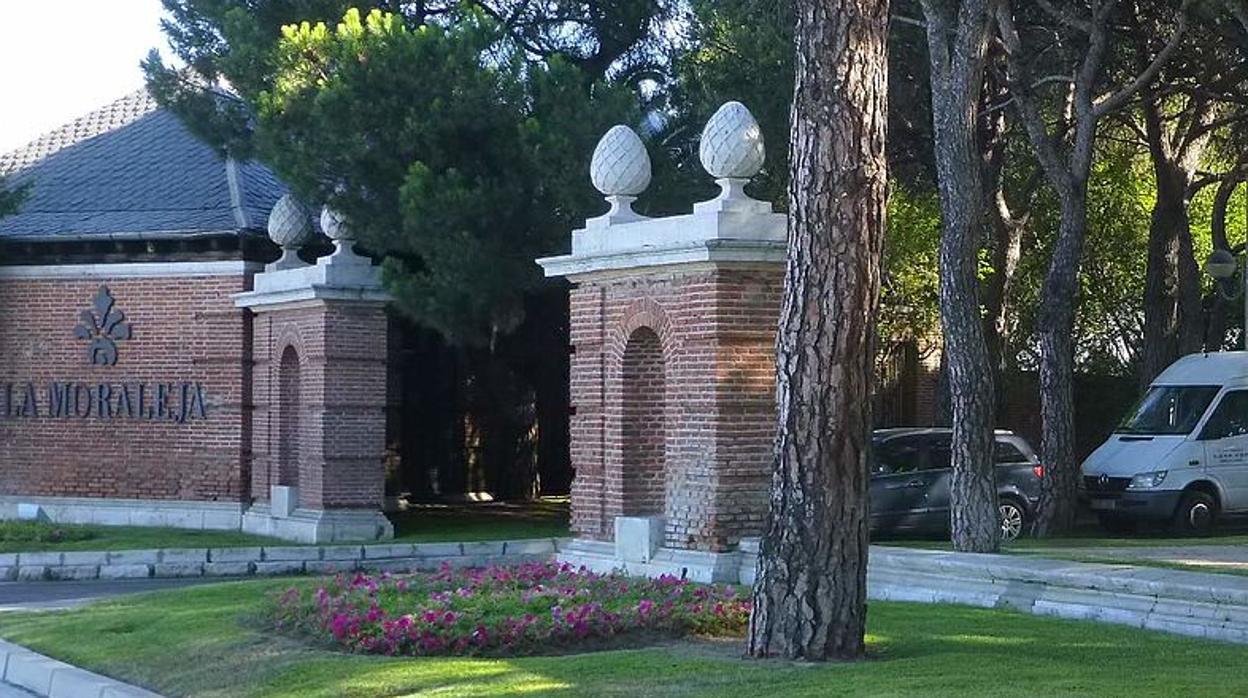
(673, 325)
(319, 388)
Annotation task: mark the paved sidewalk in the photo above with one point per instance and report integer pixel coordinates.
(26, 596)
(10, 691)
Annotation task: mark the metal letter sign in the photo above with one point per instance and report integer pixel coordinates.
(104, 327)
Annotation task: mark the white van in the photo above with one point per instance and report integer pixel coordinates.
(1182, 454)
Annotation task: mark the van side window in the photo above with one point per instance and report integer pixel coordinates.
(1230, 418)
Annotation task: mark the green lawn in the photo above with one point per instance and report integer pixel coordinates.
(916, 650)
(545, 518)
(22, 536)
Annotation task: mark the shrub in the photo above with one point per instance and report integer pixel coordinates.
(507, 610)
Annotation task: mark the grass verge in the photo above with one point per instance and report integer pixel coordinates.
(25, 537)
(207, 641)
(425, 523)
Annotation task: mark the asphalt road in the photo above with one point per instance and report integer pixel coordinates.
(23, 596)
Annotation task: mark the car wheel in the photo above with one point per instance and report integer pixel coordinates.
(1195, 513)
(1013, 519)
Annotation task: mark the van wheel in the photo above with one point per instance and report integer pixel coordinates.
(1195, 513)
(1013, 520)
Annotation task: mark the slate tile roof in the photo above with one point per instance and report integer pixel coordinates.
(132, 170)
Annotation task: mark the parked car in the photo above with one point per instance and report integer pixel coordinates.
(910, 481)
(1181, 456)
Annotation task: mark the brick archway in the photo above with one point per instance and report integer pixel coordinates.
(644, 424)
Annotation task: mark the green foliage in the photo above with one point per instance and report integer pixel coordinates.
(740, 50)
(457, 161)
(1109, 323)
(911, 284)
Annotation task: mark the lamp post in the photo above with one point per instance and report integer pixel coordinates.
(1222, 265)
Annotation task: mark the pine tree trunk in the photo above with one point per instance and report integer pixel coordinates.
(1173, 312)
(810, 592)
(1058, 489)
(1173, 322)
(957, 57)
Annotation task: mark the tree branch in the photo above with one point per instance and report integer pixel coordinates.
(1116, 100)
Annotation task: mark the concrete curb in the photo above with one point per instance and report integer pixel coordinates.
(269, 560)
(49, 678)
(1198, 604)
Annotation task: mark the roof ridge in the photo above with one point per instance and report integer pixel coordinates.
(109, 117)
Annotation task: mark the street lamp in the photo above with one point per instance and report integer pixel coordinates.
(1222, 265)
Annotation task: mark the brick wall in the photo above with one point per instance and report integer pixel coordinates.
(341, 422)
(716, 331)
(185, 329)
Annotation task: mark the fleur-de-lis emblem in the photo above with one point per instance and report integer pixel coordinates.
(103, 327)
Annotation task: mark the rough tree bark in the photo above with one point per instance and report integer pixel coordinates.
(810, 592)
(1067, 165)
(1173, 315)
(1006, 227)
(957, 38)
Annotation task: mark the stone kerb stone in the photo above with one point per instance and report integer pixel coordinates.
(50, 678)
(269, 560)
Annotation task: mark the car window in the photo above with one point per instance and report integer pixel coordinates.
(899, 455)
(1007, 452)
(940, 453)
(1230, 418)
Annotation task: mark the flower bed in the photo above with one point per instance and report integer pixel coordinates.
(534, 608)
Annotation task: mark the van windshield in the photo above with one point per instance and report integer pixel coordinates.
(1169, 409)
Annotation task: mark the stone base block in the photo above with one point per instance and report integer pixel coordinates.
(693, 565)
(637, 538)
(285, 500)
(275, 568)
(69, 573)
(125, 571)
(179, 569)
(32, 573)
(113, 511)
(227, 569)
(319, 526)
(30, 512)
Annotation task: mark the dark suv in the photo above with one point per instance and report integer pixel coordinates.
(910, 481)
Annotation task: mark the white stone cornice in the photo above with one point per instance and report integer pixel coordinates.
(130, 270)
(345, 277)
(745, 231)
(712, 252)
